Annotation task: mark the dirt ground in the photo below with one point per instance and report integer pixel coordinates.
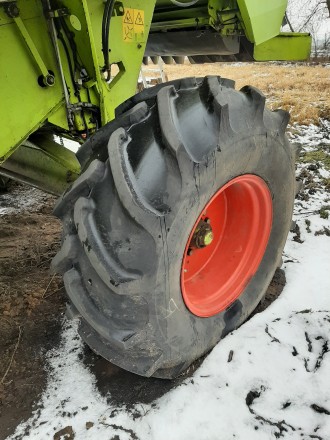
(32, 305)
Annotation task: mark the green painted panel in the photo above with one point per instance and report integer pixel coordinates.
(262, 19)
(24, 104)
(127, 42)
(285, 47)
(49, 170)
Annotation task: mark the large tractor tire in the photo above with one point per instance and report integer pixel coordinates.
(173, 232)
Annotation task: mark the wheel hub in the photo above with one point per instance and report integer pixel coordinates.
(226, 245)
(203, 235)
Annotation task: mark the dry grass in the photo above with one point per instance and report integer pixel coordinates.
(303, 90)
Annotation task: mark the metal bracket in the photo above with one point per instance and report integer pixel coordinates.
(223, 16)
(118, 9)
(47, 78)
(56, 13)
(42, 163)
(11, 9)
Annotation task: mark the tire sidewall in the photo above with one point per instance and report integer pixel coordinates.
(264, 155)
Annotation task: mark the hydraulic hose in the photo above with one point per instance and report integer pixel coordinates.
(108, 10)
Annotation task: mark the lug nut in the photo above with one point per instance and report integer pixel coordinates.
(203, 235)
(208, 238)
(49, 80)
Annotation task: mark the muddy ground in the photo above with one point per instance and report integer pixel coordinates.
(31, 303)
(32, 306)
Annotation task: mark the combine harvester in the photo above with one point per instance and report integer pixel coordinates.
(177, 206)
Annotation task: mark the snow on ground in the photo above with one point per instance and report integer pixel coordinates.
(277, 384)
(18, 200)
(310, 136)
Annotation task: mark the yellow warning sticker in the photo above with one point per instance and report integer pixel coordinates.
(128, 16)
(139, 19)
(133, 25)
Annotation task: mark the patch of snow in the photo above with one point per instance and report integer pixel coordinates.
(310, 136)
(21, 198)
(80, 398)
(276, 385)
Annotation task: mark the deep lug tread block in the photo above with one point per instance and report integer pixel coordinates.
(150, 94)
(88, 311)
(95, 146)
(146, 359)
(225, 125)
(111, 272)
(213, 85)
(284, 119)
(68, 253)
(221, 106)
(259, 102)
(124, 179)
(81, 187)
(210, 88)
(227, 83)
(170, 134)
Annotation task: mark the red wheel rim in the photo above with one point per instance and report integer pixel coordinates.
(239, 217)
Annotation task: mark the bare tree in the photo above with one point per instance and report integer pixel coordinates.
(311, 16)
(302, 13)
(315, 13)
(325, 46)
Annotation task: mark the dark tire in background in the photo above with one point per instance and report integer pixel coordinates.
(149, 203)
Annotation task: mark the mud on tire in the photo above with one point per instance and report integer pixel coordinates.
(127, 218)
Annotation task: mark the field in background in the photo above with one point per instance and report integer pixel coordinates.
(303, 90)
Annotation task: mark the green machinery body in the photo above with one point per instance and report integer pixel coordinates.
(56, 79)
